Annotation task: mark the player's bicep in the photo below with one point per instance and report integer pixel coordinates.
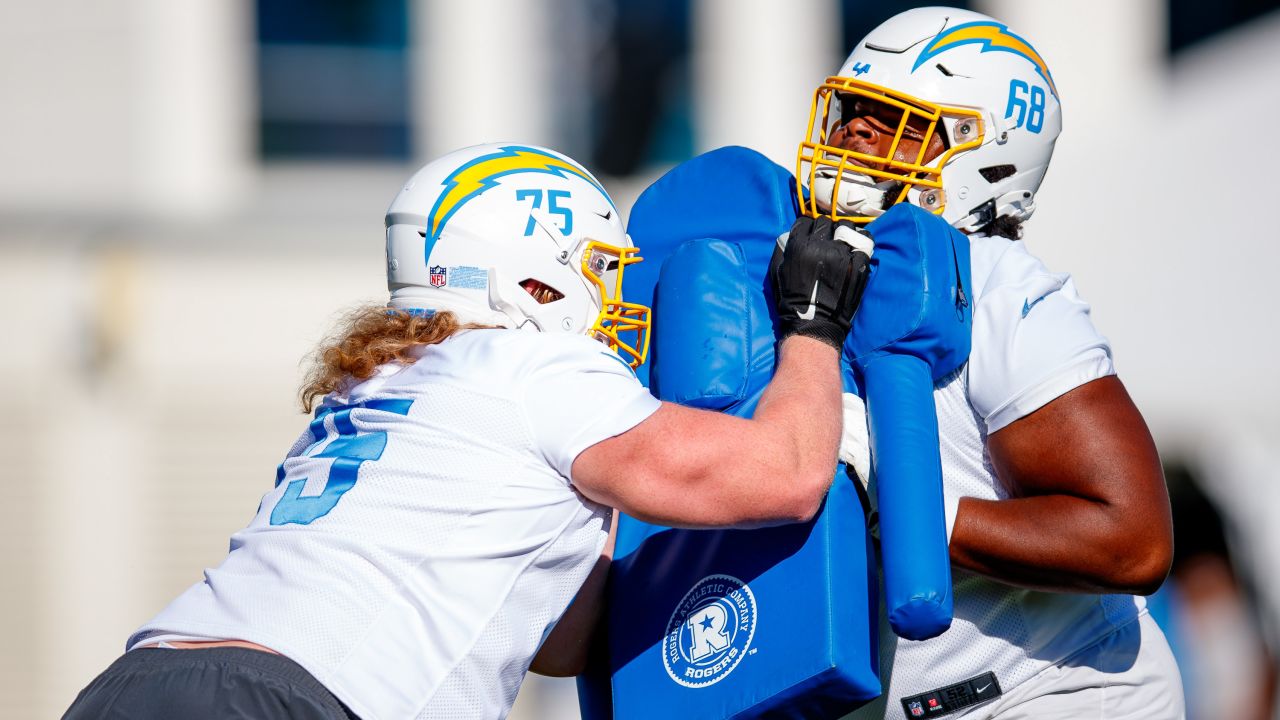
(1090, 442)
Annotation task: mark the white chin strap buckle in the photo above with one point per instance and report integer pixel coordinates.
(1019, 204)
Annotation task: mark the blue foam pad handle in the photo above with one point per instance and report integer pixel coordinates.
(912, 329)
(913, 535)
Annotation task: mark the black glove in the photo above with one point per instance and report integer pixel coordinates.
(817, 281)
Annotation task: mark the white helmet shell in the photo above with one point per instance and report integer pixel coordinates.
(472, 230)
(986, 89)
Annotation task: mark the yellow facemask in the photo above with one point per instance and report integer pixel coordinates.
(603, 265)
(961, 129)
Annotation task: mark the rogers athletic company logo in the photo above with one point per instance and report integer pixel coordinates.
(710, 631)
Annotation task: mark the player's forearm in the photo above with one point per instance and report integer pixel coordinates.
(1057, 543)
(695, 468)
(800, 412)
(777, 466)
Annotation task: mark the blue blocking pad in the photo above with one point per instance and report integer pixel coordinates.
(731, 194)
(731, 623)
(912, 329)
(747, 623)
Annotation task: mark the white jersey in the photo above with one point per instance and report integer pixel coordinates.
(424, 535)
(1033, 341)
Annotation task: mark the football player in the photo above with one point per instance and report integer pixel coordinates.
(1057, 512)
(435, 519)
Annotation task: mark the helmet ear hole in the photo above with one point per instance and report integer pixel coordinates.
(996, 173)
(541, 292)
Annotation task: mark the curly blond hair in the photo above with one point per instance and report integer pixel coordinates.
(368, 337)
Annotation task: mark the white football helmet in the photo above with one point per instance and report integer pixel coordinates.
(960, 74)
(515, 236)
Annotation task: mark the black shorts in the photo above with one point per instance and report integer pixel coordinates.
(220, 682)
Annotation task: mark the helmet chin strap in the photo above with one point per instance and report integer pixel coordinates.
(1018, 204)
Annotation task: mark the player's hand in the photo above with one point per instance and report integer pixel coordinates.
(818, 278)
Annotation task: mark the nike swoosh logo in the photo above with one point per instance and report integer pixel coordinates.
(978, 691)
(1026, 307)
(606, 215)
(808, 314)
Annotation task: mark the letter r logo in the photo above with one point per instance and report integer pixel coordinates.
(707, 629)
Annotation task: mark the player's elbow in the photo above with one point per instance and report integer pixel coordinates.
(799, 480)
(805, 511)
(782, 506)
(1148, 568)
(806, 497)
(1140, 563)
(786, 493)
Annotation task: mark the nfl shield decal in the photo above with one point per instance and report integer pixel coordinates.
(710, 631)
(439, 275)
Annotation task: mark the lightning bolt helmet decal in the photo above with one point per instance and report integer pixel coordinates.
(993, 37)
(482, 173)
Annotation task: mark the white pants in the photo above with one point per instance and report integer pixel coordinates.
(1086, 687)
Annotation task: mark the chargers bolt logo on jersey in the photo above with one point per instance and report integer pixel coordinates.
(482, 173)
(710, 631)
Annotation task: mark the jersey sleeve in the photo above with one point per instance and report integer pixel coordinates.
(1033, 341)
(579, 394)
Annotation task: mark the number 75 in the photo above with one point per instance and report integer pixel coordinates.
(553, 207)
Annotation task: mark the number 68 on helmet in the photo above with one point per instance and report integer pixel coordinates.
(515, 236)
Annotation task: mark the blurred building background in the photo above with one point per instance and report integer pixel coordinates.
(190, 190)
